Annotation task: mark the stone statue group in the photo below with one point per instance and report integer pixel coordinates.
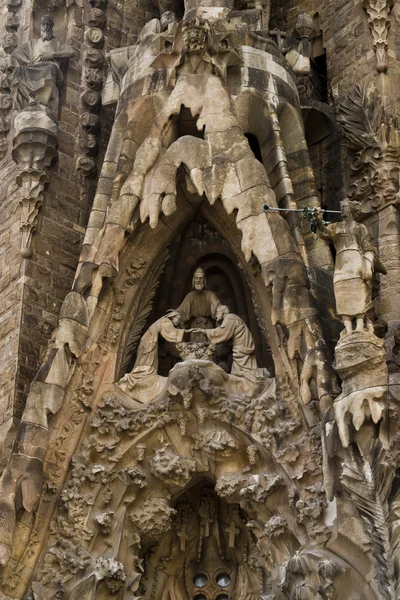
(198, 309)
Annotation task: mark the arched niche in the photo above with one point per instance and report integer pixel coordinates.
(210, 549)
(144, 257)
(200, 245)
(254, 145)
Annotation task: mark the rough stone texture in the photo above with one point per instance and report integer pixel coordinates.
(11, 299)
(173, 440)
(32, 292)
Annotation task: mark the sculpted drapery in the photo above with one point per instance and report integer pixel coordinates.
(39, 76)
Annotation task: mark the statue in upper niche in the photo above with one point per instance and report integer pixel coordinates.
(39, 75)
(200, 306)
(356, 261)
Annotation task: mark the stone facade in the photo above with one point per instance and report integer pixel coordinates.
(200, 302)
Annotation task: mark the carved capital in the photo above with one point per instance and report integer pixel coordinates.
(379, 23)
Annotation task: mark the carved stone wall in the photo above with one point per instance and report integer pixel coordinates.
(199, 369)
(32, 291)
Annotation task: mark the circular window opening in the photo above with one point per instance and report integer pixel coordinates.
(223, 580)
(202, 597)
(223, 597)
(200, 580)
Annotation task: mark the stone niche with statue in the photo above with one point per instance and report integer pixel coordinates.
(198, 429)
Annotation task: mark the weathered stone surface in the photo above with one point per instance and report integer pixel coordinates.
(236, 446)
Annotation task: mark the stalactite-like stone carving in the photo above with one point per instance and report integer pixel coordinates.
(355, 430)
(34, 149)
(379, 23)
(157, 455)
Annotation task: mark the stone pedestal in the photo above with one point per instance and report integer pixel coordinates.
(361, 363)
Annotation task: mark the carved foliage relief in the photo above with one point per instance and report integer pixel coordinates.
(365, 118)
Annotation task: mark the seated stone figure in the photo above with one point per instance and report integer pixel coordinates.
(232, 327)
(39, 75)
(199, 306)
(143, 383)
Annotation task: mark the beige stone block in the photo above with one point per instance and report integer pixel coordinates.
(97, 219)
(100, 202)
(74, 308)
(250, 173)
(121, 211)
(44, 398)
(73, 334)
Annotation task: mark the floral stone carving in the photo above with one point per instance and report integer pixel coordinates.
(366, 121)
(172, 469)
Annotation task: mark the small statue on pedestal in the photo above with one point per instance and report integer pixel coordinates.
(360, 357)
(356, 261)
(39, 73)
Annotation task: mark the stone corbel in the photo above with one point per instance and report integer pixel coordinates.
(379, 23)
(34, 149)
